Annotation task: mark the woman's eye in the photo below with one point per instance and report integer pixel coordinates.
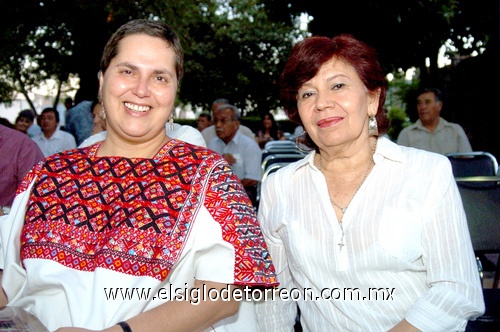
(337, 86)
(162, 79)
(306, 95)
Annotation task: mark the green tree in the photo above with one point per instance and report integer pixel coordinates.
(232, 48)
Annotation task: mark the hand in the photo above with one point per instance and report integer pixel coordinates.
(229, 158)
(404, 326)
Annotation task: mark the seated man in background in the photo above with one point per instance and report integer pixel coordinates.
(242, 153)
(209, 132)
(431, 132)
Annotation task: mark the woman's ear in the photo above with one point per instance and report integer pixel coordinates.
(100, 79)
(373, 102)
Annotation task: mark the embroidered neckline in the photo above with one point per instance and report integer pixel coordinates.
(161, 152)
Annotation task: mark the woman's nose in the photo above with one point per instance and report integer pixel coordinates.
(142, 87)
(324, 100)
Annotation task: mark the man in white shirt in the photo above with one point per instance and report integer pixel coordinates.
(242, 153)
(53, 140)
(209, 132)
(431, 132)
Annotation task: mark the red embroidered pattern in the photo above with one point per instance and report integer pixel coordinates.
(133, 215)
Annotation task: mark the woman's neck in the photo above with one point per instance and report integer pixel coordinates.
(347, 160)
(114, 146)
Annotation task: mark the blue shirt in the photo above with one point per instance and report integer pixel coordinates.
(79, 121)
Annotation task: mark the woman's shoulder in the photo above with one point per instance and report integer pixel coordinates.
(416, 161)
(195, 152)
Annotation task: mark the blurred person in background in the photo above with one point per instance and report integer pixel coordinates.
(18, 154)
(52, 139)
(98, 115)
(209, 133)
(204, 120)
(431, 132)
(80, 120)
(269, 130)
(242, 153)
(24, 121)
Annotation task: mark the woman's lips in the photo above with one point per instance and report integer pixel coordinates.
(136, 108)
(323, 123)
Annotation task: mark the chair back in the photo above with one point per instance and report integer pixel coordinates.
(280, 158)
(280, 144)
(271, 169)
(475, 163)
(482, 207)
(271, 151)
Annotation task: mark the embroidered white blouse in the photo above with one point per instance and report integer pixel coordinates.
(407, 252)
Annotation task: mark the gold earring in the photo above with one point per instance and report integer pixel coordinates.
(103, 112)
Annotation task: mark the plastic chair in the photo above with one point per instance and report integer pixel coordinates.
(271, 169)
(280, 144)
(477, 163)
(482, 207)
(271, 151)
(280, 158)
(473, 163)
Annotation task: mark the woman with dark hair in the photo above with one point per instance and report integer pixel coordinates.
(138, 232)
(365, 235)
(24, 120)
(269, 130)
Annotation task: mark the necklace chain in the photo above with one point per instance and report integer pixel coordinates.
(343, 209)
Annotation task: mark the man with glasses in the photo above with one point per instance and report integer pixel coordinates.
(209, 132)
(241, 152)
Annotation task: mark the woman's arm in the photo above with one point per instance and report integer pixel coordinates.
(404, 326)
(180, 315)
(3, 297)
(455, 293)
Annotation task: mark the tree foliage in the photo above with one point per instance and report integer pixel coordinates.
(234, 49)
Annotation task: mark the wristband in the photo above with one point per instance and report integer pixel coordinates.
(125, 327)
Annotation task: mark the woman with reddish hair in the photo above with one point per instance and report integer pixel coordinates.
(365, 235)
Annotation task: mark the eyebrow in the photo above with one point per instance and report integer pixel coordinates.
(335, 76)
(134, 67)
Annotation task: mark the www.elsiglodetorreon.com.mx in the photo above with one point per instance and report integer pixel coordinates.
(196, 295)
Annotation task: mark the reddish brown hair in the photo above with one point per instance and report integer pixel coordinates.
(311, 53)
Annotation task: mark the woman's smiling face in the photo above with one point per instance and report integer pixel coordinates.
(139, 88)
(334, 105)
